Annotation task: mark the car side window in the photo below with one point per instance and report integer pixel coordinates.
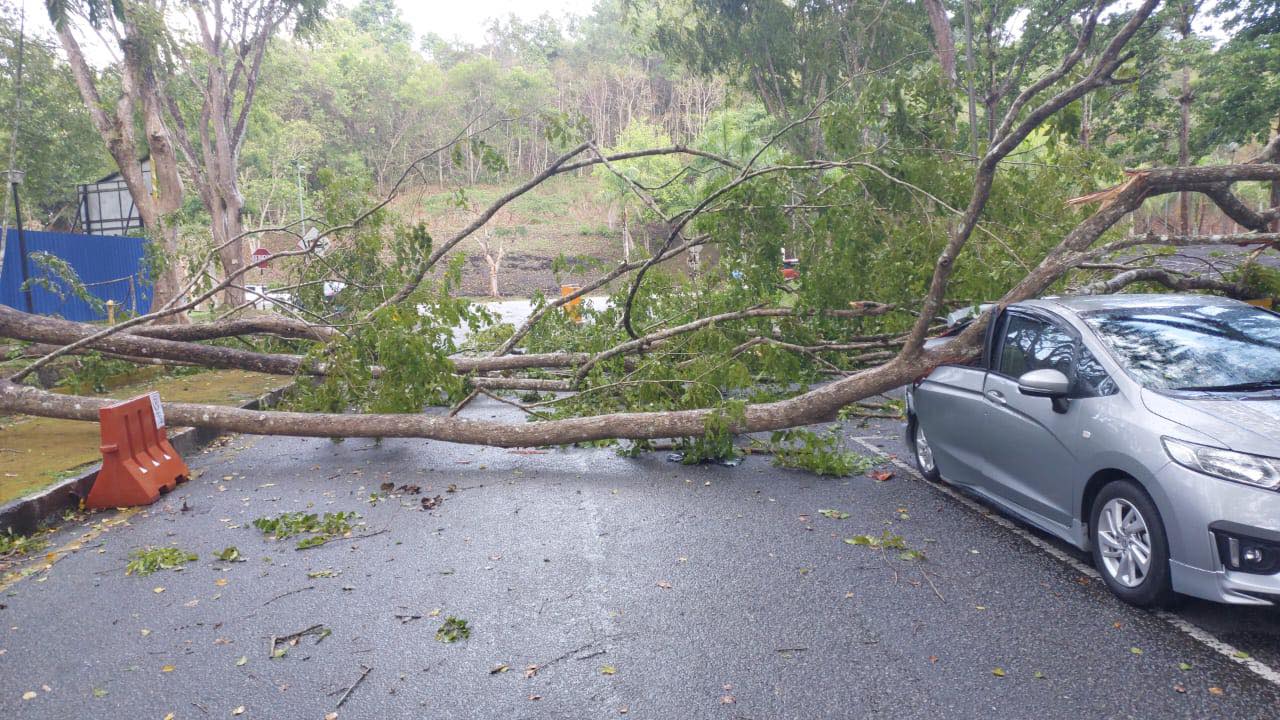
(1092, 379)
(1030, 343)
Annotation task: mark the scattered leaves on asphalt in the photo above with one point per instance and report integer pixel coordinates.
(321, 528)
(145, 561)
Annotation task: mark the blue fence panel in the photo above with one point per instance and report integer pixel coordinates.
(110, 267)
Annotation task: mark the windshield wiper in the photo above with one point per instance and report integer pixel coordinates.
(1241, 387)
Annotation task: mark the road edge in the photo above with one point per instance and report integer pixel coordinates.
(28, 514)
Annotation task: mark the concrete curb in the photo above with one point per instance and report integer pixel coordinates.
(27, 514)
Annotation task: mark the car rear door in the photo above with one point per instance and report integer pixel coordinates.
(949, 407)
(1024, 443)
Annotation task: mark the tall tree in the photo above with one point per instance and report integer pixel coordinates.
(195, 91)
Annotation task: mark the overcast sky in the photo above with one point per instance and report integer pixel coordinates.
(452, 19)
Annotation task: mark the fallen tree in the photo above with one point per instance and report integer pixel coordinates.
(737, 351)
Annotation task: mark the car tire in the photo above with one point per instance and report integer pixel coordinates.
(922, 452)
(1132, 528)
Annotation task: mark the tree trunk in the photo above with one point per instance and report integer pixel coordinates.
(154, 204)
(626, 234)
(970, 78)
(1184, 123)
(942, 38)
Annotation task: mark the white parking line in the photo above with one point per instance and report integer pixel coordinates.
(1190, 629)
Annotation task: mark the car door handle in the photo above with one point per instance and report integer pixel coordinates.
(996, 397)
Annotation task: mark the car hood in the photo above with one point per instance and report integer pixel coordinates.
(1248, 424)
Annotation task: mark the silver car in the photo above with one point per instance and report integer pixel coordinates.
(1144, 428)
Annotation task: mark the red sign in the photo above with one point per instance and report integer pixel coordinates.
(260, 255)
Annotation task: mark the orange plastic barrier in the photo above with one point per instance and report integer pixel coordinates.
(138, 463)
(573, 308)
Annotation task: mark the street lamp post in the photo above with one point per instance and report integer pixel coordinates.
(14, 178)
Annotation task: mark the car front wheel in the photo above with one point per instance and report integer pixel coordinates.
(1130, 547)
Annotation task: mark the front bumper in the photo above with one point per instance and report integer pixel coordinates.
(1193, 502)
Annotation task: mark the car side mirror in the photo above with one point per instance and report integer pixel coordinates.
(1044, 383)
(1047, 383)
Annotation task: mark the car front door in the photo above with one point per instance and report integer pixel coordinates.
(1027, 460)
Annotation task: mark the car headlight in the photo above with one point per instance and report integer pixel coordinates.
(1226, 464)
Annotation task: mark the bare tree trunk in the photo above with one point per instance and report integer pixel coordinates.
(1187, 11)
(942, 38)
(970, 78)
(154, 204)
(493, 259)
(626, 234)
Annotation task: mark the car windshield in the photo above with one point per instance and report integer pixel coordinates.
(1194, 347)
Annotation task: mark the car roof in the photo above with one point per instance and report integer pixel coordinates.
(1092, 303)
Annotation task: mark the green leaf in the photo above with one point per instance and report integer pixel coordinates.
(452, 630)
(313, 541)
(243, 660)
(1184, 666)
(998, 672)
(834, 514)
(1135, 650)
(230, 554)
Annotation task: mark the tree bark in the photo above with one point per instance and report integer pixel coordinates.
(944, 41)
(156, 204)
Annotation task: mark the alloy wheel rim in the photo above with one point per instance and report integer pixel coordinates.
(1124, 541)
(924, 453)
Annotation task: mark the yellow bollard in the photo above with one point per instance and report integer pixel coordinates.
(572, 308)
(111, 312)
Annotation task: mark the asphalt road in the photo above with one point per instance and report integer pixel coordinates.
(637, 587)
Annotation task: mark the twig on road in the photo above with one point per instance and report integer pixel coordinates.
(287, 594)
(354, 685)
(935, 587)
(339, 539)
